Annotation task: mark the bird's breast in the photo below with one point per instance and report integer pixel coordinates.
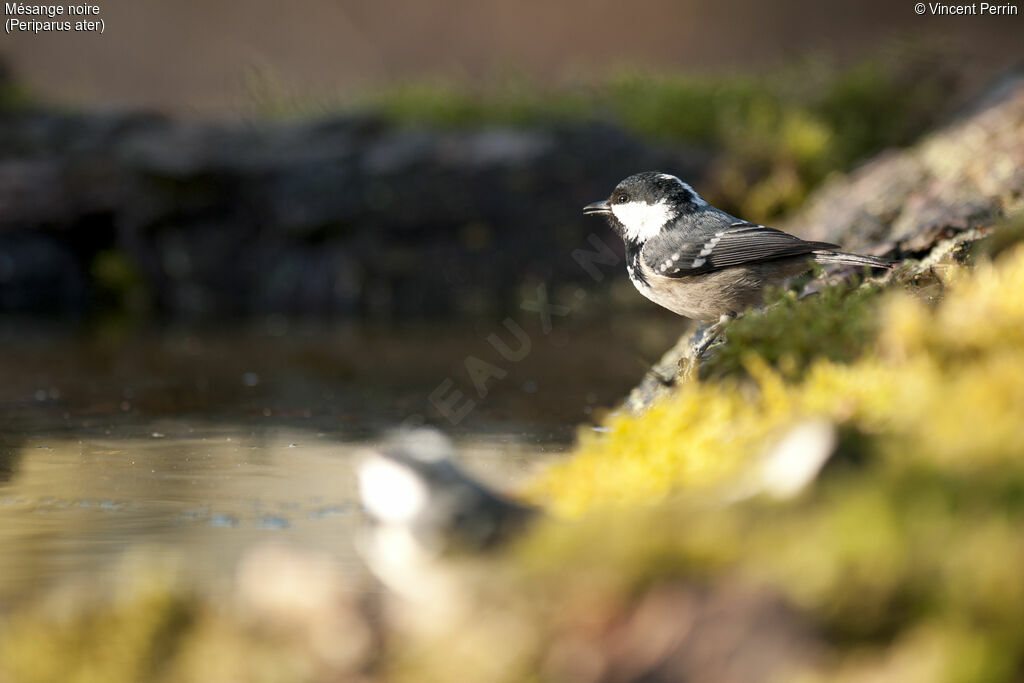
(698, 297)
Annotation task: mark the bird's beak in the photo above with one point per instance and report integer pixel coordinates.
(600, 207)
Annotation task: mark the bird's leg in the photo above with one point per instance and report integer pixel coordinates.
(704, 337)
(707, 335)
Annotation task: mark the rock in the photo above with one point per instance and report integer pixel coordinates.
(303, 595)
(930, 201)
(39, 273)
(967, 174)
(660, 379)
(676, 632)
(348, 215)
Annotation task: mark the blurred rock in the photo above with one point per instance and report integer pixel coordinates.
(305, 596)
(353, 215)
(721, 633)
(40, 274)
(340, 216)
(968, 174)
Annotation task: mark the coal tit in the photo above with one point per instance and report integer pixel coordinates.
(697, 260)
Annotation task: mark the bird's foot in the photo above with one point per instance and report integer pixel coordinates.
(702, 343)
(704, 338)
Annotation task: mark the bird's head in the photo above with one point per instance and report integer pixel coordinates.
(644, 204)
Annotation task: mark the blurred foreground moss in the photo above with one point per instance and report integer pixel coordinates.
(156, 633)
(905, 557)
(901, 562)
(287, 619)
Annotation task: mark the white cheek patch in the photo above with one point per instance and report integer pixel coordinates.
(642, 221)
(390, 492)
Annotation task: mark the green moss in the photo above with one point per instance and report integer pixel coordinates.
(118, 283)
(837, 324)
(1007, 235)
(871, 105)
(703, 109)
(510, 101)
(12, 96)
(778, 134)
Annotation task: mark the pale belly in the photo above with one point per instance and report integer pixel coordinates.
(709, 296)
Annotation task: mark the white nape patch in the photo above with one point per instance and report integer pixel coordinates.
(390, 492)
(642, 221)
(697, 199)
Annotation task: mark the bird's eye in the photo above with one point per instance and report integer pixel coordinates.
(621, 198)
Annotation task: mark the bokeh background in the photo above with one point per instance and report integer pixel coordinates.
(409, 160)
(240, 240)
(199, 58)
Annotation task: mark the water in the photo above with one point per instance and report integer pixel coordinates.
(210, 493)
(206, 443)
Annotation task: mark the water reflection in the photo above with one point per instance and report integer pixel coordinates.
(209, 441)
(76, 504)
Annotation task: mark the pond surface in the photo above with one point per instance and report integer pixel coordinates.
(207, 442)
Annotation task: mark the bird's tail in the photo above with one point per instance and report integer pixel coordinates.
(846, 258)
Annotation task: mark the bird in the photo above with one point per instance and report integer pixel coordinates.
(426, 511)
(698, 261)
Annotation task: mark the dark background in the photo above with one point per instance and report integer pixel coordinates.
(404, 159)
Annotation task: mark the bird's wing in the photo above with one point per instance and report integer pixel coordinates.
(675, 253)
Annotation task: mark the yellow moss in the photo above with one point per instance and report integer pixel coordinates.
(126, 642)
(983, 310)
(152, 630)
(944, 384)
